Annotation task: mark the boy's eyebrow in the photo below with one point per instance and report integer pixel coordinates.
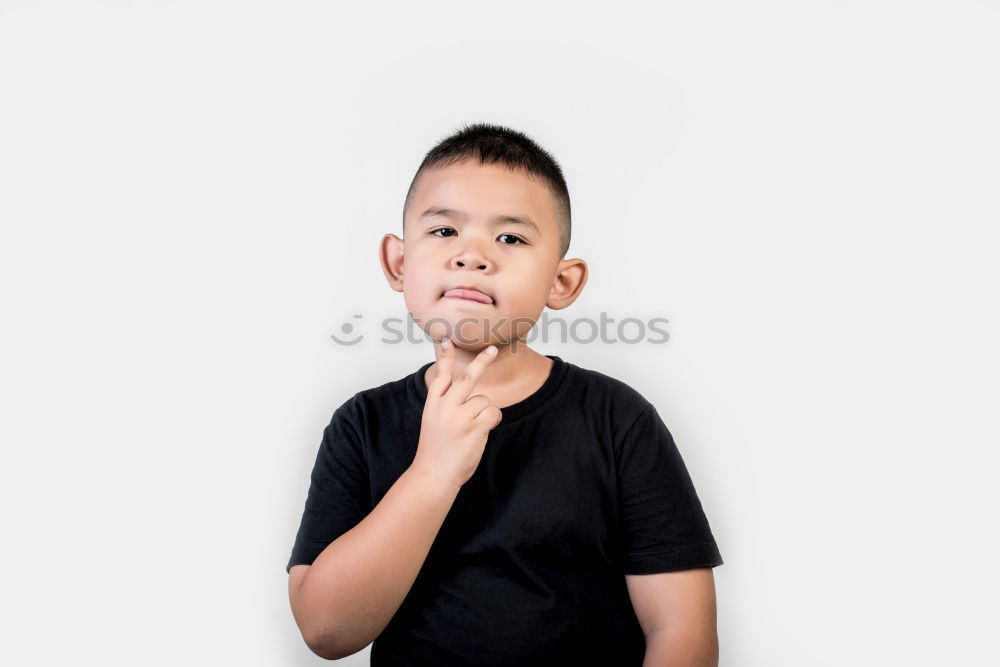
(499, 219)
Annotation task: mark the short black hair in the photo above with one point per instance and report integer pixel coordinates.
(496, 144)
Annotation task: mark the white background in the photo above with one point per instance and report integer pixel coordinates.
(192, 194)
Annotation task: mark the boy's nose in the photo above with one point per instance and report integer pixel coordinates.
(461, 263)
(470, 259)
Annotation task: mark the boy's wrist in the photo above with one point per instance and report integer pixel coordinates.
(432, 480)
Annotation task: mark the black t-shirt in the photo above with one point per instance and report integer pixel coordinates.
(579, 484)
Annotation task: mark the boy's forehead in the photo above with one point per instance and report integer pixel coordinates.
(484, 192)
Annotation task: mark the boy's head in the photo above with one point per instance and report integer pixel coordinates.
(487, 144)
(488, 209)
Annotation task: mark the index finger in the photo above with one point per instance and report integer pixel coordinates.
(445, 353)
(462, 387)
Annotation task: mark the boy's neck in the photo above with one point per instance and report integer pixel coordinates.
(518, 372)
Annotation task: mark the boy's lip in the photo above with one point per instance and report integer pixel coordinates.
(469, 293)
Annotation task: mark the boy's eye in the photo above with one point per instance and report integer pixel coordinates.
(517, 239)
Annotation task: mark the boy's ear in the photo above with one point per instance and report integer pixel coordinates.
(570, 278)
(391, 256)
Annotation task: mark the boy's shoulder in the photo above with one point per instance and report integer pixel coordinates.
(609, 395)
(598, 380)
(375, 401)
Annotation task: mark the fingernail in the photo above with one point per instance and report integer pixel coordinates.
(445, 342)
(491, 350)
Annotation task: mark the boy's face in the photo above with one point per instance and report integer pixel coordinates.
(461, 230)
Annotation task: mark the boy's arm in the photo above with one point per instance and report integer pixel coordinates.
(677, 612)
(344, 600)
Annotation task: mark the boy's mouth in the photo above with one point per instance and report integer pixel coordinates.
(468, 293)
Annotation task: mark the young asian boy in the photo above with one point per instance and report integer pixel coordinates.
(499, 506)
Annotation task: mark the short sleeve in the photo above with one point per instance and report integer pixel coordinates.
(339, 491)
(664, 527)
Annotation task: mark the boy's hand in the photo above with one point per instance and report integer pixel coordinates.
(455, 426)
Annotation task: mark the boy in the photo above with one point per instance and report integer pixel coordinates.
(499, 506)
